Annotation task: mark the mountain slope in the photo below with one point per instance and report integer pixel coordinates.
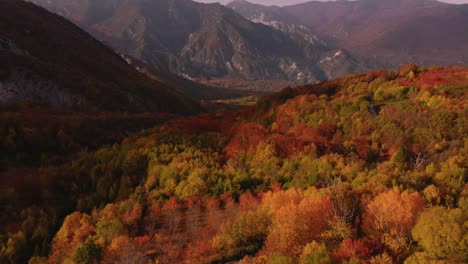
(48, 59)
(398, 31)
(203, 40)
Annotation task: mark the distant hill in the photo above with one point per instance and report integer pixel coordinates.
(425, 32)
(47, 59)
(197, 40)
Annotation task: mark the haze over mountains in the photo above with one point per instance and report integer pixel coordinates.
(205, 41)
(396, 32)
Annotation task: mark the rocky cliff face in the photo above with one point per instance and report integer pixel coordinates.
(334, 62)
(275, 17)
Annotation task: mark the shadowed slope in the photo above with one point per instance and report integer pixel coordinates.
(46, 58)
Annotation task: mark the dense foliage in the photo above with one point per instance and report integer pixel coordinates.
(369, 168)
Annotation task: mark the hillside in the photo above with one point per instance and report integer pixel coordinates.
(368, 168)
(425, 32)
(197, 40)
(47, 59)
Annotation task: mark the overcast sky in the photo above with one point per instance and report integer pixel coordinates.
(291, 2)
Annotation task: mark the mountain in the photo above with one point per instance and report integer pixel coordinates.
(397, 31)
(45, 58)
(277, 18)
(197, 40)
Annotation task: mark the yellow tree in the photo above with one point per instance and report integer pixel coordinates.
(443, 233)
(296, 223)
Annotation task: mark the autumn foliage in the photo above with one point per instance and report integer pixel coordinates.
(369, 168)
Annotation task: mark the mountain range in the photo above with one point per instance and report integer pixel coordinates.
(301, 43)
(196, 48)
(197, 40)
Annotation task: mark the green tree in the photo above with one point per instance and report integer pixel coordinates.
(315, 253)
(110, 229)
(88, 253)
(400, 157)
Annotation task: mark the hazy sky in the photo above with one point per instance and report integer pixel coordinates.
(291, 2)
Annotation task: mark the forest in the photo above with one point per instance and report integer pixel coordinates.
(368, 168)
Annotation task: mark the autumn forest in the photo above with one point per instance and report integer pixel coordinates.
(369, 168)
